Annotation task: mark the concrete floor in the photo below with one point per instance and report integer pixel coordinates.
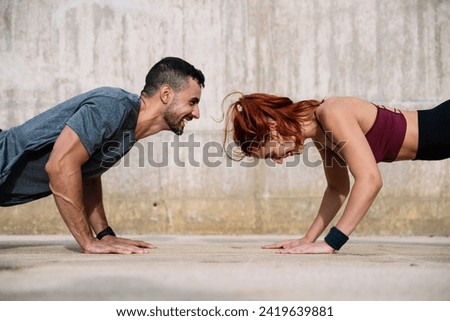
(225, 268)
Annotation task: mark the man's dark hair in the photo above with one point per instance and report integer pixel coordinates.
(173, 72)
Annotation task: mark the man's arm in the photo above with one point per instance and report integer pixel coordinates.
(64, 171)
(93, 203)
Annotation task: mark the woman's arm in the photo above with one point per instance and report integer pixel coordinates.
(340, 120)
(340, 117)
(338, 186)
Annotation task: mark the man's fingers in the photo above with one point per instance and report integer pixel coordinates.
(130, 249)
(144, 244)
(102, 247)
(124, 241)
(120, 250)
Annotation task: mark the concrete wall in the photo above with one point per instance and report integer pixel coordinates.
(390, 52)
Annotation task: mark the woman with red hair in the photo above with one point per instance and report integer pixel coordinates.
(350, 134)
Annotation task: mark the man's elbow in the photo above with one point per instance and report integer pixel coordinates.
(50, 167)
(54, 168)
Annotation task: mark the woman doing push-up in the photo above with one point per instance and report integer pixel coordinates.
(351, 135)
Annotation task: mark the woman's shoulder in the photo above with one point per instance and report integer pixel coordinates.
(337, 105)
(341, 105)
(342, 101)
(347, 110)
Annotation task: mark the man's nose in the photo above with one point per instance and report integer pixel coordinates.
(196, 112)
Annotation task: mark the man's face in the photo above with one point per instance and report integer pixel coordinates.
(184, 107)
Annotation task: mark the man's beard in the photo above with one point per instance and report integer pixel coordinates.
(171, 119)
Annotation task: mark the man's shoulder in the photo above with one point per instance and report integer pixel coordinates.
(112, 92)
(112, 97)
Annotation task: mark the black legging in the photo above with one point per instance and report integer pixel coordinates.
(434, 133)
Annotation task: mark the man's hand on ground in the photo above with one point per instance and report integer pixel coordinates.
(117, 245)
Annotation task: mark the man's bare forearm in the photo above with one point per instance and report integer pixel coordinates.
(93, 203)
(68, 194)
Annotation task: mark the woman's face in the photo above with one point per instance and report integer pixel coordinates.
(277, 148)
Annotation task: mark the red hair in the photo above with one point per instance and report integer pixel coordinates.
(248, 119)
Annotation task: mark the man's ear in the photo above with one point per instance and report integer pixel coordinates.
(166, 93)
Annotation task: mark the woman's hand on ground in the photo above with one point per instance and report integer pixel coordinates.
(288, 244)
(309, 248)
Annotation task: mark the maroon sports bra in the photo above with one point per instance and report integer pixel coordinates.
(387, 134)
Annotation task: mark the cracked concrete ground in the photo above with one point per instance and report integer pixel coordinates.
(49, 267)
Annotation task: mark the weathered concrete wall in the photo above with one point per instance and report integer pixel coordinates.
(390, 52)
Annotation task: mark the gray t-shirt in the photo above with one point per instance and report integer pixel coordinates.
(105, 121)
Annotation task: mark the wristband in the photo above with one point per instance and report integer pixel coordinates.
(106, 231)
(335, 238)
